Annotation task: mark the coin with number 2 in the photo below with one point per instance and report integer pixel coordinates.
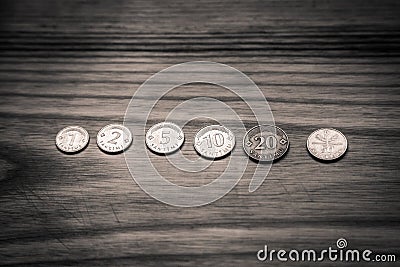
(114, 138)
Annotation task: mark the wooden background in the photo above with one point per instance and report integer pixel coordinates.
(319, 63)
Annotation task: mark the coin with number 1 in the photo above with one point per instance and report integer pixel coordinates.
(72, 139)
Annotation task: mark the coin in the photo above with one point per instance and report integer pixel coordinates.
(164, 138)
(214, 141)
(327, 144)
(265, 143)
(114, 138)
(72, 139)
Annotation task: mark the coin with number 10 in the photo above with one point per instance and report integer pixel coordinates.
(214, 141)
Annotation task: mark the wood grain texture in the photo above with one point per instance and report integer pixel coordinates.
(318, 63)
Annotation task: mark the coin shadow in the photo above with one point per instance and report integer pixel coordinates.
(216, 159)
(163, 154)
(75, 152)
(168, 153)
(327, 161)
(271, 161)
(114, 153)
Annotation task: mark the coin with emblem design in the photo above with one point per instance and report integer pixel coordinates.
(327, 144)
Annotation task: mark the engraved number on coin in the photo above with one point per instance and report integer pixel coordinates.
(73, 136)
(217, 141)
(270, 142)
(117, 136)
(165, 139)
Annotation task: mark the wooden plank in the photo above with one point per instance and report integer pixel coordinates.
(318, 64)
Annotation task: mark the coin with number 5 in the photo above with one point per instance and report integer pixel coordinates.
(114, 138)
(265, 143)
(164, 138)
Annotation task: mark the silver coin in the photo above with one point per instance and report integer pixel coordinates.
(114, 138)
(164, 138)
(214, 141)
(327, 144)
(265, 143)
(72, 139)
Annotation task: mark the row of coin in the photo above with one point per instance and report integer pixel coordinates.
(261, 143)
(113, 138)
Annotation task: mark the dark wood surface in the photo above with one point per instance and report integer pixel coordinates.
(319, 63)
